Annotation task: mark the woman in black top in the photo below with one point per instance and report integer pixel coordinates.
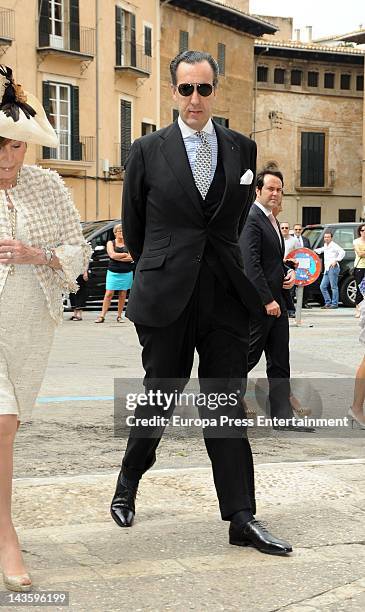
(119, 276)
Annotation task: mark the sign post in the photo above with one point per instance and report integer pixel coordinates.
(307, 272)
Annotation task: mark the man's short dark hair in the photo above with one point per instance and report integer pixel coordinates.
(273, 170)
(328, 232)
(358, 229)
(194, 57)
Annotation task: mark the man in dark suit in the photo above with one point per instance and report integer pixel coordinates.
(303, 240)
(262, 247)
(187, 191)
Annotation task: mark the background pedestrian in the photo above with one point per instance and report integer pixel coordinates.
(359, 265)
(119, 276)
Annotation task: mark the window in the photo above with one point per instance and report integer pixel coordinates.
(344, 236)
(125, 130)
(296, 77)
(279, 76)
(59, 24)
(175, 114)
(262, 72)
(222, 58)
(147, 128)
(311, 215)
(360, 82)
(222, 121)
(347, 215)
(183, 41)
(100, 240)
(345, 81)
(329, 80)
(61, 103)
(312, 159)
(56, 23)
(312, 79)
(125, 37)
(148, 41)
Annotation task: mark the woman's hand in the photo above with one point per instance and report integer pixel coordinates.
(16, 252)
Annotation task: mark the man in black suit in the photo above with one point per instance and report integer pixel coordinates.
(262, 247)
(303, 240)
(187, 191)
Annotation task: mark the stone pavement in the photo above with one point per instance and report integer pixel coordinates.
(177, 556)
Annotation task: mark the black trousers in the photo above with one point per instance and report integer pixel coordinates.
(78, 300)
(289, 300)
(271, 335)
(216, 324)
(359, 275)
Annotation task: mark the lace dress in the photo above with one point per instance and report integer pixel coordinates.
(26, 334)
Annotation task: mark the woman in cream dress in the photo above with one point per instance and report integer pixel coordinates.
(42, 251)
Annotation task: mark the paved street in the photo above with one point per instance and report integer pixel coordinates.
(310, 489)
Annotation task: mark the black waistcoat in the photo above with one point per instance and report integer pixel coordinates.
(209, 206)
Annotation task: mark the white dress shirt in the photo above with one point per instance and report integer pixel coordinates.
(290, 243)
(270, 215)
(192, 142)
(333, 253)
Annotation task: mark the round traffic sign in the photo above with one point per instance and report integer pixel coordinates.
(309, 267)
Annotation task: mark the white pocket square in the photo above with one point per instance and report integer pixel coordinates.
(246, 178)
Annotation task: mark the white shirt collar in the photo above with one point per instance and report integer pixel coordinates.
(264, 210)
(187, 131)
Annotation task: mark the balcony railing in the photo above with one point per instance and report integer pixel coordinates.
(134, 60)
(120, 154)
(7, 21)
(83, 151)
(73, 39)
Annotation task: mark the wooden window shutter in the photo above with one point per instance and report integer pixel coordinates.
(118, 35)
(312, 159)
(46, 105)
(184, 41)
(44, 23)
(222, 58)
(75, 133)
(74, 25)
(125, 129)
(148, 41)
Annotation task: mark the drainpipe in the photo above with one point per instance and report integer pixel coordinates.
(97, 126)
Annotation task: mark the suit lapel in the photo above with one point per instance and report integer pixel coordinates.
(229, 153)
(174, 151)
(278, 241)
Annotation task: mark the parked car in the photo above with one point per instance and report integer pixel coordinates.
(98, 233)
(343, 234)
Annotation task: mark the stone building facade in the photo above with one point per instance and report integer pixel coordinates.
(308, 101)
(228, 34)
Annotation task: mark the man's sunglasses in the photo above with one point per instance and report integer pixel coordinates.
(203, 89)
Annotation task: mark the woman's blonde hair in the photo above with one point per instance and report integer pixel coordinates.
(117, 227)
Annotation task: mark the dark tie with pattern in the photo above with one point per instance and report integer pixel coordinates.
(203, 165)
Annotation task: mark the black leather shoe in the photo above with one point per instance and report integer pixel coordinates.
(122, 507)
(255, 534)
